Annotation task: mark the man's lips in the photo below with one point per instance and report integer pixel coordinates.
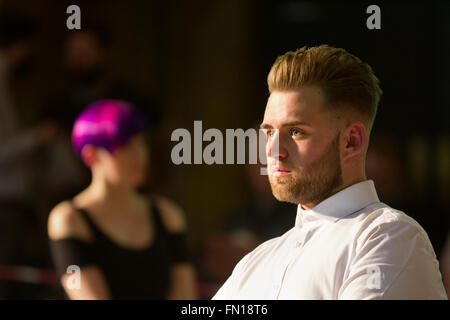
(278, 171)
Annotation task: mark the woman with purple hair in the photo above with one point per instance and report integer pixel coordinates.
(125, 244)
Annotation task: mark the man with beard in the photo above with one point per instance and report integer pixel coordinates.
(345, 243)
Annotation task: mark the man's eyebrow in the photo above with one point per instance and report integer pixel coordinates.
(265, 126)
(286, 124)
(295, 123)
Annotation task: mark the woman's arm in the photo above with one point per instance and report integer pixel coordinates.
(184, 286)
(183, 278)
(64, 222)
(92, 285)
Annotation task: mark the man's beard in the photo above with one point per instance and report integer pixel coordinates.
(313, 183)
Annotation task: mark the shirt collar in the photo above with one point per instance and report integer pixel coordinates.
(341, 204)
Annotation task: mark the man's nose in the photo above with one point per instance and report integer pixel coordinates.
(275, 147)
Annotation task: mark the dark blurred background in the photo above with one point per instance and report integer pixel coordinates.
(181, 61)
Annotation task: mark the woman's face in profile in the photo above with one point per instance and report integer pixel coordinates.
(128, 164)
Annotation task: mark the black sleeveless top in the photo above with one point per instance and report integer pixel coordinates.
(130, 273)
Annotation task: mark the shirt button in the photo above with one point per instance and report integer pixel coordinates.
(298, 244)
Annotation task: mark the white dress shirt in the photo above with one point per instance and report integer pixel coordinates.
(349, 246)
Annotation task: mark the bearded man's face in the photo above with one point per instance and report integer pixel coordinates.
(304, 162)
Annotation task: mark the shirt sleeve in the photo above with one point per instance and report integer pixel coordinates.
(395, 260)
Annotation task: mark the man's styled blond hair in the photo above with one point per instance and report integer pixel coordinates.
(345, 80)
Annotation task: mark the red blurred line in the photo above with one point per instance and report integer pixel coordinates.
(28, 274)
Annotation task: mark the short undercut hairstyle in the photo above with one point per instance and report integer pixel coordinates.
(345, 80)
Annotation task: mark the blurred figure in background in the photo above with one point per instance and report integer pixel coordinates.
(88, 78)
(262, 218)
(128, 245)
(85, 63)
(18, 144)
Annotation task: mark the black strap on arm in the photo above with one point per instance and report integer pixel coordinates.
(179, 248)
(71, 251)
(176, 241)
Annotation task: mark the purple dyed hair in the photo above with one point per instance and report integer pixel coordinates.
(107, 124)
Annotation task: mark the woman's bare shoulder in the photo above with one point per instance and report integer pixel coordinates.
(65, 221)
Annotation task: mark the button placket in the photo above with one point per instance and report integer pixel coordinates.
(293, 254)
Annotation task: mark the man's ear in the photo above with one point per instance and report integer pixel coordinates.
(88, 155)
(354, 140)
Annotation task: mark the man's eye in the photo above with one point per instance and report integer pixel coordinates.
(270, 133)
(296, 132)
